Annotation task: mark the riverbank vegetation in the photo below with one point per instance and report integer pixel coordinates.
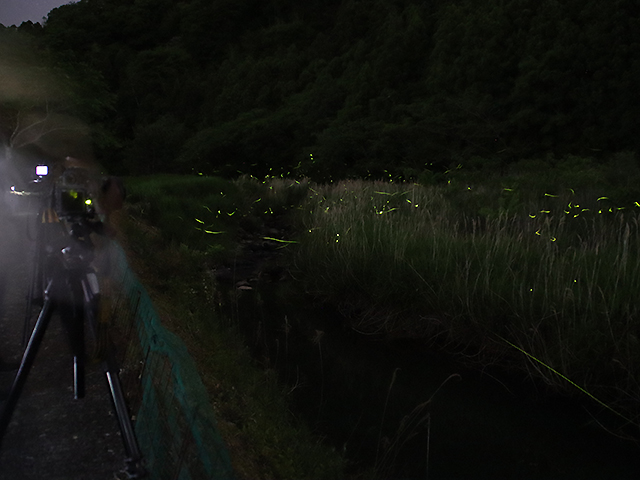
(534, 270)
(174, 252)
(536, 276)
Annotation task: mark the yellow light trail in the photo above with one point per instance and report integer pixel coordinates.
(565, 378)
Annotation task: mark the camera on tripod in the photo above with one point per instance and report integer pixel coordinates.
(71, 199)
(65, 198)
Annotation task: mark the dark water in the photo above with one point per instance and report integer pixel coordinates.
(414, 414)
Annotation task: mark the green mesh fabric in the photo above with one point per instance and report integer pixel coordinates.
(174, 420)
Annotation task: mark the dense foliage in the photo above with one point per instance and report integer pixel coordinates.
(50, 106)
(355, 87)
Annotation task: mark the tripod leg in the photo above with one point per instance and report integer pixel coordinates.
(134, 461)
(72, 313)
(25, 365)
(35, 285)
(27, 315)
(78, 377)
(79, 354)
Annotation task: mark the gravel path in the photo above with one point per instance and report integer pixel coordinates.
(51, 435)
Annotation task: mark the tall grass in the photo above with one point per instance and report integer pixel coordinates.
(553, 276)
(207, 213)
(191, 210)
(472, 267)
(164, 233)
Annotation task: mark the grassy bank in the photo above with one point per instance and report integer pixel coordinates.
(487, 268)
(176, 229)
(534, 269)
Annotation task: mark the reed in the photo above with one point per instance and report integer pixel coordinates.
(554, 274)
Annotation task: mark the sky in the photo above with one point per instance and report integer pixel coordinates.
(14, 12)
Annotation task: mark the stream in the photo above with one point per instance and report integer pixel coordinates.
(410, 413)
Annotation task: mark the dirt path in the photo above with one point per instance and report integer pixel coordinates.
(51, 435)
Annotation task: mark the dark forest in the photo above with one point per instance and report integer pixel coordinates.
(350, 88)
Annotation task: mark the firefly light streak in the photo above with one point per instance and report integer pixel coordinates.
(566, 379)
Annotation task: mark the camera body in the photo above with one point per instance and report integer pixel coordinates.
(71, 196)
(66, 194)
(67, 201)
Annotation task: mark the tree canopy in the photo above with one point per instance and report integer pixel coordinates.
(353, 87)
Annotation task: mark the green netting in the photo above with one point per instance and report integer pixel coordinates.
(174, 421)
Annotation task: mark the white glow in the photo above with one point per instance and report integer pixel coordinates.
(42, 170)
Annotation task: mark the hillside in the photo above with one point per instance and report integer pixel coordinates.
(354, 87)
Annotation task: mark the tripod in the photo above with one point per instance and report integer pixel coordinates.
(68, 285)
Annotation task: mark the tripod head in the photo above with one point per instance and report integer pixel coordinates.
(78, 253)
